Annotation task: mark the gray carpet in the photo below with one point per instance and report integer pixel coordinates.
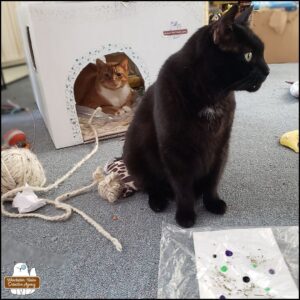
(260, 185)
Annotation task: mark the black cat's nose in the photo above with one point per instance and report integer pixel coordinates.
(267, 70)
(264, 68)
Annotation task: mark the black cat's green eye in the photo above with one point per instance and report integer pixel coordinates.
(248, 56)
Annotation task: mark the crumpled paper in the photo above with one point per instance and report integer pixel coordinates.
(27, 201)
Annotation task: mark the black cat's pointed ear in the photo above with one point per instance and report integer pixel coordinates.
(243, 18)
(223, 27)
(229, 16)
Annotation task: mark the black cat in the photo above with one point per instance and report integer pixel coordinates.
(177, 143)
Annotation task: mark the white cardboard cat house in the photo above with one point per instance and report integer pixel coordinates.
(61, 38)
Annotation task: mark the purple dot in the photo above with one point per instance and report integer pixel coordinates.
(228, 253)
(272, 271)
(222, 297)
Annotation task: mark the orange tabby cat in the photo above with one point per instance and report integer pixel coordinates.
(105, 85)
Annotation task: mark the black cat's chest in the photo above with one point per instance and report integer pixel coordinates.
(214, 118)
(209, 130)
(211, 115)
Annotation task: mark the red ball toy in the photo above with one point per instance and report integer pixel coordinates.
(15, 137)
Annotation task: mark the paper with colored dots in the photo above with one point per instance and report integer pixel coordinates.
(241, 264)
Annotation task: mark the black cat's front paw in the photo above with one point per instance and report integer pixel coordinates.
(157, 204)
(216, 206)
(185, 219)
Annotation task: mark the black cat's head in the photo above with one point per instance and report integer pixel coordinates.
(237, 52)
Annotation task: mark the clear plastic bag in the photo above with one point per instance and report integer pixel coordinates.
(177, 267)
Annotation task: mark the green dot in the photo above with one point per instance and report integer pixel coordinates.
(224, 268)
(267, 289)
(254, 265)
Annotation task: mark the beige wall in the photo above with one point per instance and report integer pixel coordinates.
(11, 43)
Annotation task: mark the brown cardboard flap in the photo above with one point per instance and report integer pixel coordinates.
(278, 20)
(278, 29)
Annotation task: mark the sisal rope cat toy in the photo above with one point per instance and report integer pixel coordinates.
(21, 171)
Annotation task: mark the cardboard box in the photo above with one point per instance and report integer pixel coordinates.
(61, 38)
(279, 30)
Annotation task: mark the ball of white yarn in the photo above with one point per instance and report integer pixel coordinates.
(20, 166)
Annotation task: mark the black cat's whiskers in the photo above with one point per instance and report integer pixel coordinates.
(243, 83)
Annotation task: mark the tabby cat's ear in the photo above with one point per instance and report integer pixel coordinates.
(99, 63)
(124, 64)
(243, 18)
(223, 27)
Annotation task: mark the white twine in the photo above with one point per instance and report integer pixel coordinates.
(67, 208)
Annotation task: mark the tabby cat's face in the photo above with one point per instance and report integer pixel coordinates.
(238, 55)
(112, 75)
